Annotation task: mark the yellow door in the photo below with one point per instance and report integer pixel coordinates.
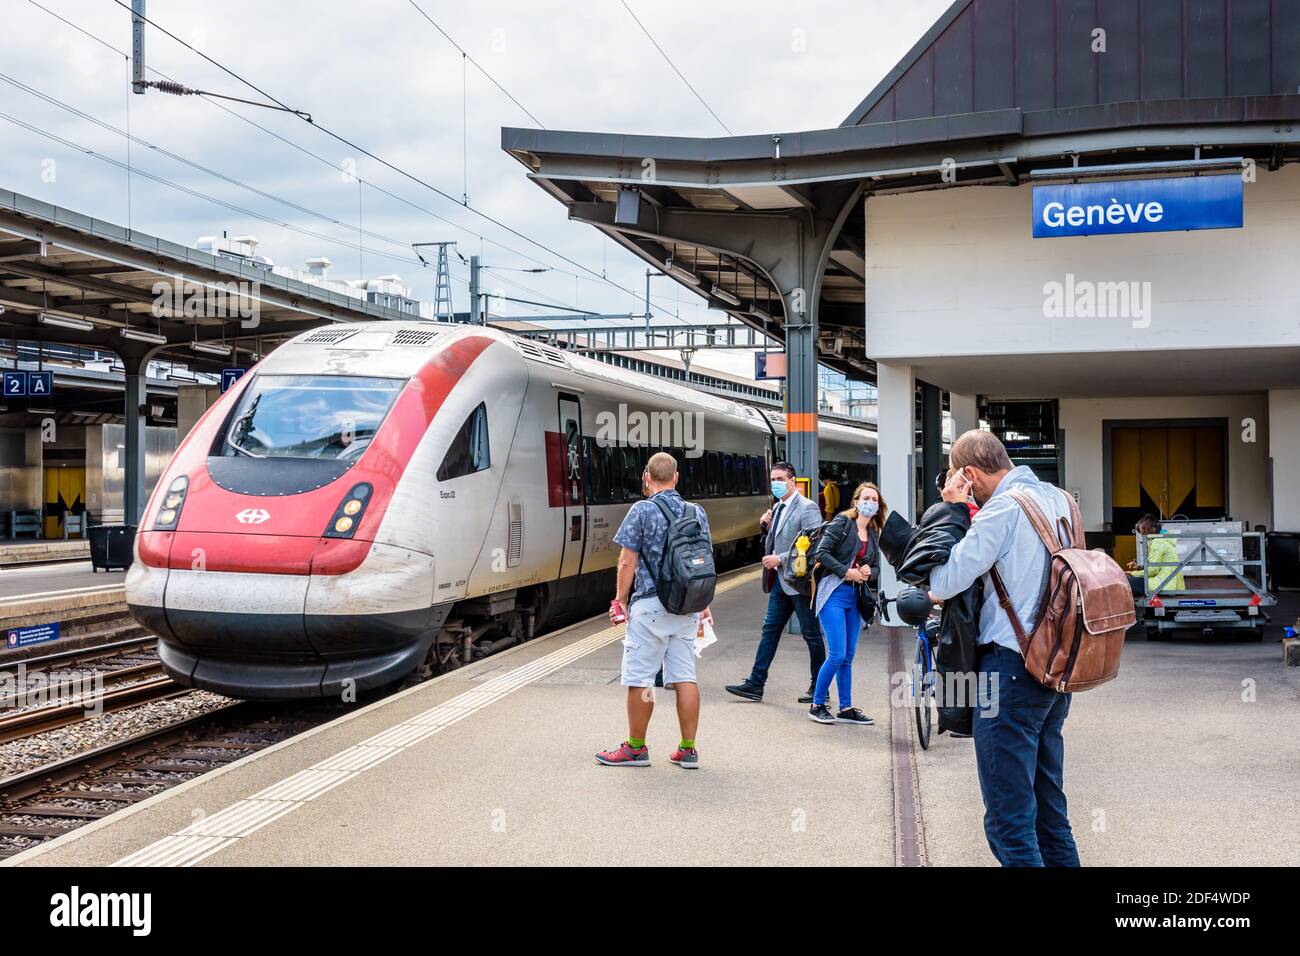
(65, 492)
(1167, 471)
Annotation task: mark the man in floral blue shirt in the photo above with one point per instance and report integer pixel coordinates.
(655, 638)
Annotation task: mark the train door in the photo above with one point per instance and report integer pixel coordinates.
(574, 493)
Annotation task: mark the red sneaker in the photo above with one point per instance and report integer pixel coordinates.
(624, 755)
(686, 759)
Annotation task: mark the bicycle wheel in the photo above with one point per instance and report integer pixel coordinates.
(922, 691)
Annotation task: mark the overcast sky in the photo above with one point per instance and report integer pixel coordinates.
(382, 76)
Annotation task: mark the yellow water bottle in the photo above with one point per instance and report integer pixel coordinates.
(801, 556)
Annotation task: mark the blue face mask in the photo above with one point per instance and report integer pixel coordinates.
(868, 508)
(779, 489)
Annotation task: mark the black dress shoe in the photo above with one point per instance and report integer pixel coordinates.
(746, 690)
(807, 696)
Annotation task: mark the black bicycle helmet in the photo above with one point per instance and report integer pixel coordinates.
(913, 605)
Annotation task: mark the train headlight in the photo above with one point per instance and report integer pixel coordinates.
(348, 514)
(173, 501)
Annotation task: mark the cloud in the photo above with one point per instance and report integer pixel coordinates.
(383, 77)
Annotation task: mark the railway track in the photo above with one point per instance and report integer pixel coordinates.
(68, 687)
(56, 798)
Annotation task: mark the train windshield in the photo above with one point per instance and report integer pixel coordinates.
(331, 417)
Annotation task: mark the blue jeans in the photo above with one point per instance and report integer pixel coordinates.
(1020, 756)
(841, 623)
(779, 608)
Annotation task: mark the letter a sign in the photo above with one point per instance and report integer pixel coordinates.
(40, 384)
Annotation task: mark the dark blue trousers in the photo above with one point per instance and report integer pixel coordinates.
(779, 608)
(1020, 754)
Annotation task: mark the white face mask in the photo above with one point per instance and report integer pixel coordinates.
(868, 508)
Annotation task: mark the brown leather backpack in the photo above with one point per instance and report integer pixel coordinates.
(1087, 607)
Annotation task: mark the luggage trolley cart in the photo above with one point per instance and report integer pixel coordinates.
(1224, 588)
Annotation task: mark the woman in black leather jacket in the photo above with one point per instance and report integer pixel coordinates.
(846, 558)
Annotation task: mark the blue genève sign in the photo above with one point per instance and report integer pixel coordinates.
(1138, 205)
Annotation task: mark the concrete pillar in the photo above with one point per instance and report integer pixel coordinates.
(965, 413)
(133, 490)
(1284, 457)
(191, 403)
(896, 388)
(801, 395)
(931, 441)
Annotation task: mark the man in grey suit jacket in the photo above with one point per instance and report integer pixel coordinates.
(792, 515)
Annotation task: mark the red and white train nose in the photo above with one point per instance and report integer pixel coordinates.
(263, 563)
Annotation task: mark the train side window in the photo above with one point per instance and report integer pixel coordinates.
(469, 450)
(691, 471)
(728, 473)
(598, 490)
(713, 474)
(632, 468)
(756, 476)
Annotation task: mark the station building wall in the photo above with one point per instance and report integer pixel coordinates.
(957, 272)
(956, 277)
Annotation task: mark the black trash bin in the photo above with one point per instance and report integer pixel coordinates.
(112, 546)
(1284, 559)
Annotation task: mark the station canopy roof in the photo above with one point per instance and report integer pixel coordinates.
(997, 93)
(67, 266)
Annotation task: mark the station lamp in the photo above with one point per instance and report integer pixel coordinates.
(65, 322)
(135, 335)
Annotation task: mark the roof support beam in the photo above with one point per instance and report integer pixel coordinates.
(792, 250)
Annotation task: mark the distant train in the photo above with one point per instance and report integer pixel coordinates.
(379, 500)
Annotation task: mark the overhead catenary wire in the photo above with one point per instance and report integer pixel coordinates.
(321, 159)
(477, 65)
(593, 277)
(45, 97)
(194, 192)
(316, 156)
(679, 73)
(383, 162)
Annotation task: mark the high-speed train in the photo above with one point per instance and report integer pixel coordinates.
(377, 500)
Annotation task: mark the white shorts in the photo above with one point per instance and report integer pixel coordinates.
(657, 639)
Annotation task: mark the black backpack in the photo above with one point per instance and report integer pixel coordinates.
(687, 575)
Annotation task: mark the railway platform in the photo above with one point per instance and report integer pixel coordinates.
(34, 581)
(492, 764)
(17, 552)
(59, 608)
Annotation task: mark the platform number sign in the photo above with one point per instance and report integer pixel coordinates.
(40, 384)
(229, 376)
(33, 384)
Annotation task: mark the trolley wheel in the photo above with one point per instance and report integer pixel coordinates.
(923, 693)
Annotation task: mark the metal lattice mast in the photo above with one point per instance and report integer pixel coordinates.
(442, 309)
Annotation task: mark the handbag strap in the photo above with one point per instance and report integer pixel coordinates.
(1004, 599)
(1051, 537)
(1050, 540)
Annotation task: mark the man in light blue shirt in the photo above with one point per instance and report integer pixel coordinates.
(1019, 750)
